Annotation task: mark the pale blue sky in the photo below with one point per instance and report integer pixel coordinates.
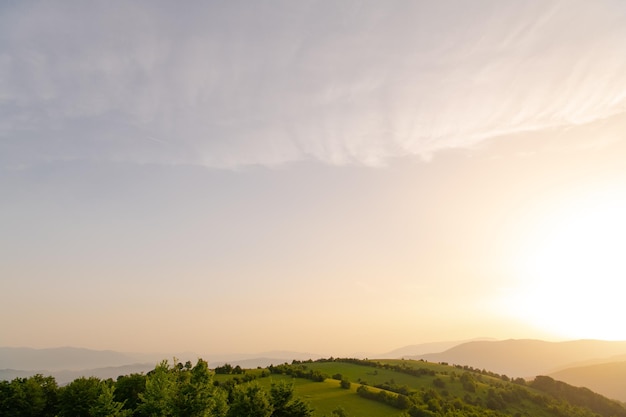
(330, 177)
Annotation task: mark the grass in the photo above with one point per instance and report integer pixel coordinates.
(324, 397)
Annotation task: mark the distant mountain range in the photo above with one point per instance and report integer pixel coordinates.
(425, 348)
(64, 358)
(66, 376)
(69, 363)
(527, 358)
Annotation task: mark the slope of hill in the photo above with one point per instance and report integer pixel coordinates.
(608, 379)
(525, 358)
(429, 389)
(424, 348)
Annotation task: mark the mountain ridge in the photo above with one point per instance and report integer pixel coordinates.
(526, 357)
(607, 378)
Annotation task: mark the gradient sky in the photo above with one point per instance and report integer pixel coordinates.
(330, 177)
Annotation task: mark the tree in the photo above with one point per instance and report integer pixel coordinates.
(106, 406)
(181, 390)
(281, 399)
(224, 369)
(438, 382)
(340, 412)
(250, 401)
(128, 388)
(280, 395)
(35, 396)
(345, 384)
(195, 395)
(156, 400)
(78, 397)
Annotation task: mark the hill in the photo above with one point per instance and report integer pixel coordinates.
(608, 379)
(321, 388)
(424, 348)
(430, 389)
(526, 358)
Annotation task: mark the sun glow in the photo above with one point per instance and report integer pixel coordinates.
(572, 273)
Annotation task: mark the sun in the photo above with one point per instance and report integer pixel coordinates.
(571, 274)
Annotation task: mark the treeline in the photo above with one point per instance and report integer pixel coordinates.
(298, 371)
(398, 401)
(167, 391)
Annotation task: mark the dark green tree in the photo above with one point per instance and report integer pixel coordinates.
(181, 390)
(283, 403)
(224, 369)
(157, 398)
(35, 396)
(250, 401)
(340, 412)
(106, 406)
(128, 388)
(195, 394)
(78, 397)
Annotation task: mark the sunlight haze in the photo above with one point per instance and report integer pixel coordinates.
(338, 178)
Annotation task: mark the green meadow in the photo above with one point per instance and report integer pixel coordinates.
(326, 396)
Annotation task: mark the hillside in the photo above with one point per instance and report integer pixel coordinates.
(428, 389)
(608, 379)
(321, 388)
(424, 348)
(526, 358)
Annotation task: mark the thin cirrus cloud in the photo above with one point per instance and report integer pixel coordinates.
(226, 84)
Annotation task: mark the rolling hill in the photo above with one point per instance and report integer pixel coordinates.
(526, 358)
(422, 388)
(608, 379)
(424, 348)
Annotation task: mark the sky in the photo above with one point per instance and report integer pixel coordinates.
(325, 177)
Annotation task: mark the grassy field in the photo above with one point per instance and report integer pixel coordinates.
(326, 396)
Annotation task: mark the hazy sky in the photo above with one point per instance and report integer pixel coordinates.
(322, 176)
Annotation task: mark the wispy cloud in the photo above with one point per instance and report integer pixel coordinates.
(236, 83)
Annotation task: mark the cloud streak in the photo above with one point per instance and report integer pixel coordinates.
(226, 84)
